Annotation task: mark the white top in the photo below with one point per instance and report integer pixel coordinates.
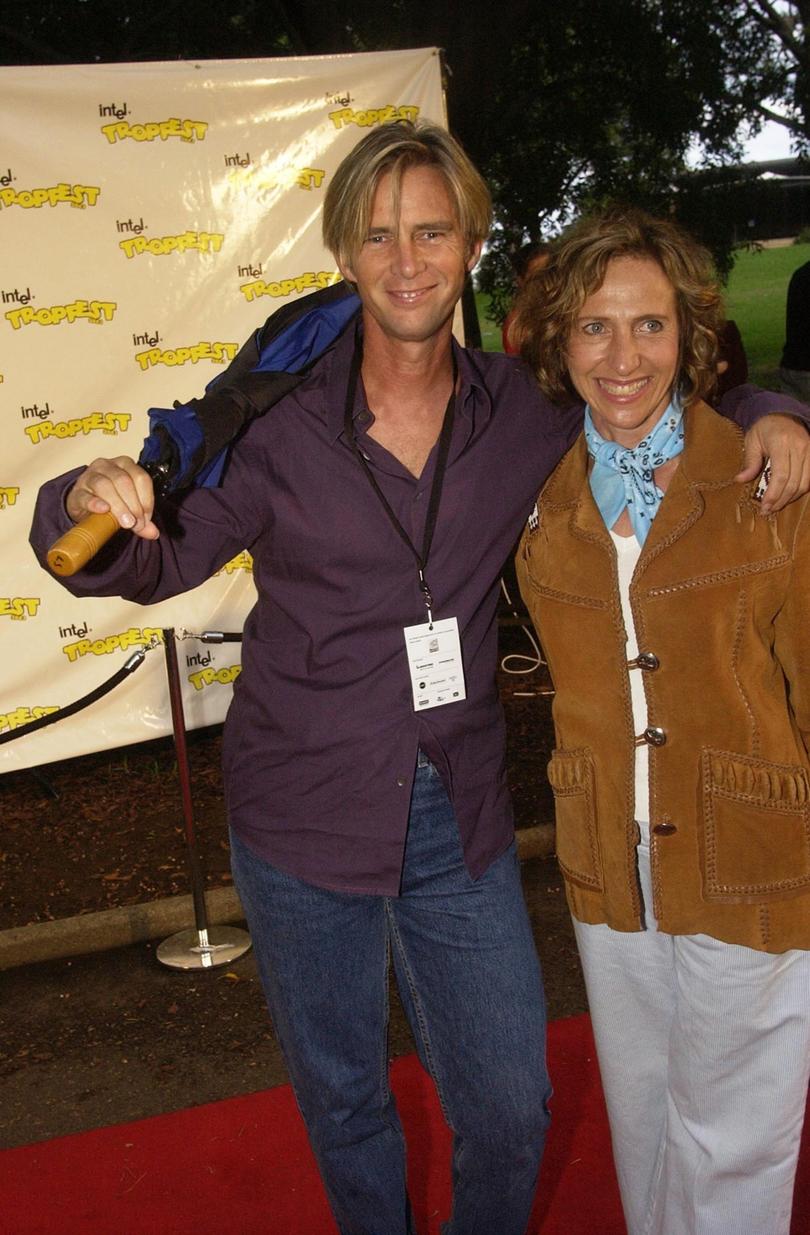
(628, 551)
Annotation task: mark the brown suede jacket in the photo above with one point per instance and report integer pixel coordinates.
(721, 603)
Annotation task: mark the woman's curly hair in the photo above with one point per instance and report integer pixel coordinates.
(550, 302)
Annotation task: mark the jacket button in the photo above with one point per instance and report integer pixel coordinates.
(648, 661)
(654, 735)
(664, 829)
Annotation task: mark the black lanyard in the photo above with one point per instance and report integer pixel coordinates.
(438, 475)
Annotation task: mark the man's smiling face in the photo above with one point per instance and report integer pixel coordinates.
(411, 267)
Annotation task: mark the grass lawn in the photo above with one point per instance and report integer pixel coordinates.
(490, 333)
(755, 299)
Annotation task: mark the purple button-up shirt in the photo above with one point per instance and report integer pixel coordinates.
(321, 738)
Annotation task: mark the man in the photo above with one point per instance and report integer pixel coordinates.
(794, 369)
(364, 749)
(526, 263)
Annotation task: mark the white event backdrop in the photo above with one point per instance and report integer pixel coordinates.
(152, 216)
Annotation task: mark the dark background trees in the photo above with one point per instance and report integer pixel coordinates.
(562, 106)
(782, 72)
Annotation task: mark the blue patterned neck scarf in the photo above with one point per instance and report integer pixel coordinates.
(624, 477)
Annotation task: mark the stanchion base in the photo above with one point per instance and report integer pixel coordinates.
(193, 949)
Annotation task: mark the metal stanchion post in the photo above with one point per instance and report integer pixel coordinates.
(201, 947)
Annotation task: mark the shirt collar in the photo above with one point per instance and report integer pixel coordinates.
(325, 389)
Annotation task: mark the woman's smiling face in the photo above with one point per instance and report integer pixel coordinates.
(623, 351)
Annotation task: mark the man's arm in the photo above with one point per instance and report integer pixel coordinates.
(171, 551)
(777, 429)
(190, 444)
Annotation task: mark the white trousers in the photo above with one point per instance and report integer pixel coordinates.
(704, 1051)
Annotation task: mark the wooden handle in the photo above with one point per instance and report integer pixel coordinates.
(75, 549)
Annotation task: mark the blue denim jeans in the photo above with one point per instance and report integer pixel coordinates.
(470, 983)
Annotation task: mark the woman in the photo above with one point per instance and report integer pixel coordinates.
(675, 622)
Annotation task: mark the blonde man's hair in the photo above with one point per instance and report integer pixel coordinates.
(551, 301)
(394, 148)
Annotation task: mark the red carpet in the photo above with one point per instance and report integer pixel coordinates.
(243, 1166)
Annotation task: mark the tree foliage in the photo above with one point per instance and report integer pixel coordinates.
(781, 75)
(605, 102)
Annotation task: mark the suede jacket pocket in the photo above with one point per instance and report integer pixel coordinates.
(755, 828)
(571, 775)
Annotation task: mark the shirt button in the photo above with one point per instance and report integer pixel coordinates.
(654, 735)
(648, 661)
(363, 419)
(664, 829)
(400, 781)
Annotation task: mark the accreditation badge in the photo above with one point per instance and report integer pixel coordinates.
(434, 662)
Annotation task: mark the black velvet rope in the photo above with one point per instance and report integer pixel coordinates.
(133, 663)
